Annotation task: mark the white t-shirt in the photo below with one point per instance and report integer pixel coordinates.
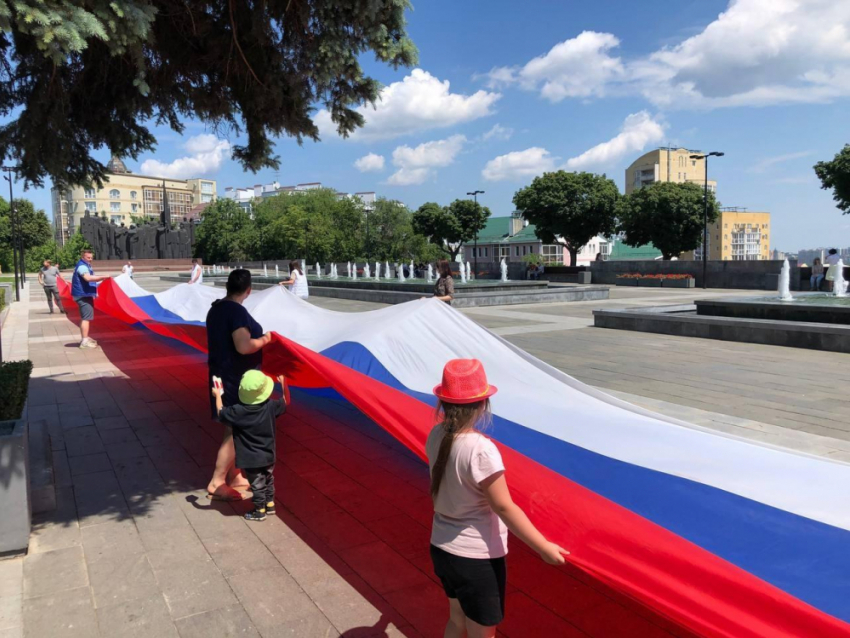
(464, 524)
(127, 270)
(299, 288)
(200, 271)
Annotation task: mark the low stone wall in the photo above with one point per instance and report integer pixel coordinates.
(745, 275)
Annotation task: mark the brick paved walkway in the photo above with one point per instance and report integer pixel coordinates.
(134, 548)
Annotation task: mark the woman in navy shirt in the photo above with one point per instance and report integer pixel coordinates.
(234, 346)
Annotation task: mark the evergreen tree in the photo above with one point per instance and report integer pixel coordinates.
(82, 75)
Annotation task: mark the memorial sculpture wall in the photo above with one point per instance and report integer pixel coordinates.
(151, 240)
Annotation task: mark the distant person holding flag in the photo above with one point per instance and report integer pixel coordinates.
(197, 276)
(84, 291)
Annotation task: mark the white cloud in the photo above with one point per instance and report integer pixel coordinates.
(639, 129)
(580, 67)
(755, 53)
(519, 165)
(763, 165)
(419, 102)
(498, 132)
(207, 155)
(370, 163)
(417, 165)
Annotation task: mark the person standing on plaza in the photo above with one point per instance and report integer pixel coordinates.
(297, 281)
(444, 289)
(128, 269)
(197, 276)
(84, 291)
(253, 422)
(47, 278)
(473, 509)
(832, 260)
(234, 345)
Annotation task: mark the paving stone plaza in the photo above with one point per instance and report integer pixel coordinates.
(134, 549)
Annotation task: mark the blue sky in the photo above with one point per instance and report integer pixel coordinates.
(547, 84)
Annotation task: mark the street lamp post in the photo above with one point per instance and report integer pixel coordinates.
(14, 228)
(705, 216)
(475, 195)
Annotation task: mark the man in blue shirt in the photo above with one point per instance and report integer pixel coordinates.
(84, 291)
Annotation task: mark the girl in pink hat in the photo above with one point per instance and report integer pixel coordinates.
(473, 509)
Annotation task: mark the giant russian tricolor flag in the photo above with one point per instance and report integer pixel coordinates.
(722, 535)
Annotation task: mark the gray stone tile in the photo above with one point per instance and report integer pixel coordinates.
(144, 618)
(69, 614)
(349, 603)
(89, 463)
(272, 598)
(111, 539)
(55, 530)
(118, 579)
(54, 571)
(111, 423)
(71, 421)
(119, 435)
(11, 577)
(313, 626)
(239, 553)
(12, 632)
(228, 622)
(10, 611)
(193, 587)
(84, 440)
(173, 546)
(122, 451)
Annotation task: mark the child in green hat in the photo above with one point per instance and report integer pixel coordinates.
(253, 423)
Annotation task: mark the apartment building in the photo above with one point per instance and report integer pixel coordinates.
(125, 196)
(667, 164)
(246, 196)
(737, 235)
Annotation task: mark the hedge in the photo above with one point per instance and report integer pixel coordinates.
(14, 381)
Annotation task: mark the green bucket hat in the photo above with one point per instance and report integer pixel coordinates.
(255, 387)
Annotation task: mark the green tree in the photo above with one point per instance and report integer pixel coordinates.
(225, 233)
(835, 175)
(90, 74)
(32, 225)
(449, 227)
(36, 255)
(69, 254)
(570, 209)
(668, 215)
(390, 235)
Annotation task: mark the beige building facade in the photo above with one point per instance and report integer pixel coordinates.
(666, 165)
(126, 196)
(737, 235)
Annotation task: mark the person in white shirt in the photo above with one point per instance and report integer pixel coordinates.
(832, 260)
(297, 281)
(197, 276)
(473, 509)
(128, 269)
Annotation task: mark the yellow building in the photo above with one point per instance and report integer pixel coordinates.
(737, 235)
(125, 196)
(667, 165)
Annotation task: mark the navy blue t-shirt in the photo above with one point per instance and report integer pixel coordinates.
(224, 361)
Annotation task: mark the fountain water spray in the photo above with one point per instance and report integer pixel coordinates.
(839, 285)
(354, 272)
(304, 267)
(334, 274)
(387, 272)
(276, 271)
(503, 266)
(462, 273)
(377, 270)
(430, 273)
(367, 272)
(412, 270)
(265, 271)
(785, 282)
(318, 270)
(400, 270)
(468, 272)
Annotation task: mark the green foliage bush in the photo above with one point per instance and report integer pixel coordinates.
(14, 381)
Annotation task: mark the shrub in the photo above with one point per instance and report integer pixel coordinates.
(14, 381)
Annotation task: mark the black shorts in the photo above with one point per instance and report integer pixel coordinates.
(477, 583)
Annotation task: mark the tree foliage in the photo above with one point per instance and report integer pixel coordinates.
(390, 235)
(570, 208)
(226, 233)
(835, 175)
(33, 228)
(668, 215)
(449, 227)
(88, 75)
(70, 252)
